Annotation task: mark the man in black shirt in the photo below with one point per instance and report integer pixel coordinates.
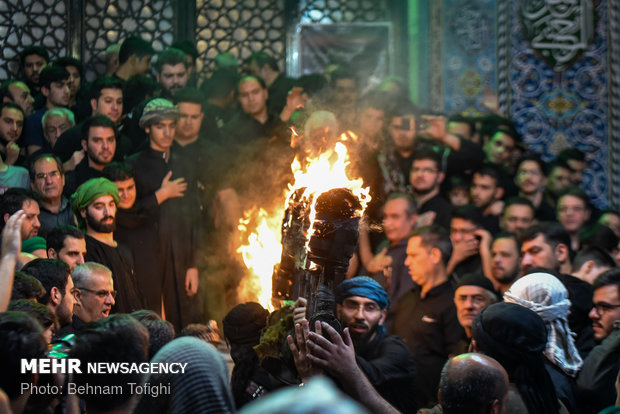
(426, 317)
(178, 236)
(95, 203)
(99, 142)
(384, 359)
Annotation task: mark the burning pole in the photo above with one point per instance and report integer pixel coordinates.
(313, 268)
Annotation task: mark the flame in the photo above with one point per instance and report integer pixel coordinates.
(261, 249)
(261, 253)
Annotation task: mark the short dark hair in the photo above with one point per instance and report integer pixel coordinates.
(34, 50)
(578, 193)
(37, 157)
(70, 61)
(220, 84)
(21, 337)
(26, 286)
(187, 46)
(104, 82)
(511, 132)
(553, 234)
(55, 238)
(262, 59)
(599, 235)
(12, 105)
(190, 95)
(160, 332)
(171, 56)
(134, 45)
(98, 342)
(51, 273)
(519, 201)
(13, 200)
(118, 171)
(247, 78)
(530, 156)
(609, 278)
(462, 119)
(508, 235)
(97, 120)
(51, 74)
(490, 170)
(469, 212)
(412, 207)
(435, 236)
(40, 312)
(404, 107)
(428, 154)
(599, 256)
(571, 154)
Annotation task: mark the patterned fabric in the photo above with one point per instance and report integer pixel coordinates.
(546, 295)
(156, 110)
(203, 388)
(365, 287)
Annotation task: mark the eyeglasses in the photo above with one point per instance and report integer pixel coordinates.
(366, 307)
(43, 176)
(101, 293)
(604, 307)
(426, 171)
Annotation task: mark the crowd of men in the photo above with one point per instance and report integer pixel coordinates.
(485, 281)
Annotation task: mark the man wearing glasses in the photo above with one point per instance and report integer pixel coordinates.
(95, 203)
(425, 178)
(94, 292)
(48, 181)
(600, 369)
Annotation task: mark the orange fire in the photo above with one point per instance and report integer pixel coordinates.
(261, 249)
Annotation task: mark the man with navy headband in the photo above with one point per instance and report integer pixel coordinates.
(362, 305)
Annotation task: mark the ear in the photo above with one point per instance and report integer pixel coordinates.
(6, 217)
(435, 255)
(383, 316)
(495, 407)
(157, 76)
(6, 99)
(475, 347)
(51, 254)
(93, 104)
(442, 176)
(55, 296)
(499, 193)
(561, 252)
(338, 310)
(83, 213)
(45, 91)
(83, 141)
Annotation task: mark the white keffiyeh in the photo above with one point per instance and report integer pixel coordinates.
(546, 295)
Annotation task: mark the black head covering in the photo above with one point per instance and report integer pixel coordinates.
(244, 322)
(516, 337)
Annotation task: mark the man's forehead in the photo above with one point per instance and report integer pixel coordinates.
(73, 242)
(56, 119)
(519, 210)
(19, 87)
(46, 163)
(178, 67)
(248, 85)
(359, 299)
(30, 205)
(111, 92)
(12, 113)
(538, 241)
(102, 199)
(33, 57)
(469, 290)
(504, 243)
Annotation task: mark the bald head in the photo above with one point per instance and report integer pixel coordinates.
(473, 383)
